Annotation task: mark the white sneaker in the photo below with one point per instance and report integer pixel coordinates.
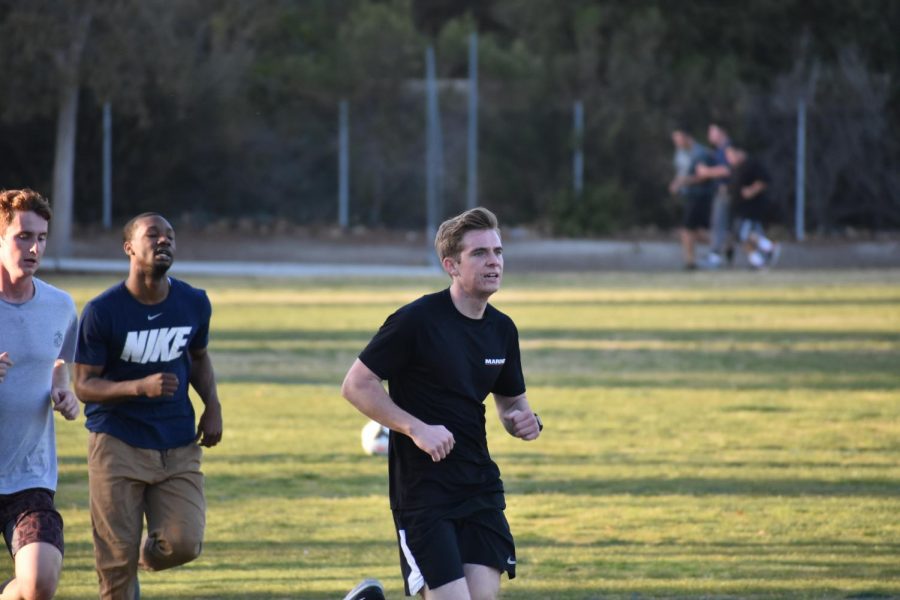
(713, 260)
(368, 589)
(757, 260)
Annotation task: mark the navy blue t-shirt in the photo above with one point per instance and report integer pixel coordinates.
(701, 190)
(721, 160)
(440, 366)
(130, 341)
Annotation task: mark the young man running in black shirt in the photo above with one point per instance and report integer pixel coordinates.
(441, 356)
(749, 196)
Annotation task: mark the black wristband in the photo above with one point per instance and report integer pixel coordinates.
(540, 423)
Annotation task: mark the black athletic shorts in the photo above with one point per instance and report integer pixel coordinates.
(435, 543)
(29, 516)
(697, 210)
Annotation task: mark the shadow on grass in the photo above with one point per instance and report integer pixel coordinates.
(291, 481)
(298, 486)
(779, 364)
(829, 548)
(707, 486)
(710, 299)
(689, 376)
(295, 486)
(582, 333)
(773, 336)
(288, 335)
(876, 381)
(288, 458)
(540, 459)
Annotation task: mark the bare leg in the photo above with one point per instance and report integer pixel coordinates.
(455, 590)
(38, 566)
(480, 583)
(687, 246)
(483, 581)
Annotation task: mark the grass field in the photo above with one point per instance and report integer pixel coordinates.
(727, 435)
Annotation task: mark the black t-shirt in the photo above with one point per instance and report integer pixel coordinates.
(746, 174)
(440, 366)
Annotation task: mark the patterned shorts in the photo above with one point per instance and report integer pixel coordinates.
(29, 516)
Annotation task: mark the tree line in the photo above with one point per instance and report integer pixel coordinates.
(225, 109)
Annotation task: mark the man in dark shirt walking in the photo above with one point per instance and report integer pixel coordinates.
(442, 355)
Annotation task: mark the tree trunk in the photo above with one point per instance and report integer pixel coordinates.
(68, 63)
(64, 170)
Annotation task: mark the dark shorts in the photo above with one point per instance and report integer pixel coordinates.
(29, 516)
(697, 210)
(755, 209)
(435, 544)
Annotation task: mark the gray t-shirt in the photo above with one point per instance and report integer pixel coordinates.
(35, 334)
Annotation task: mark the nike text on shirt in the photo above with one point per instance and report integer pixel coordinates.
(155, 345)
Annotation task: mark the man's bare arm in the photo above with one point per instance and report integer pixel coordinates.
(364, 390)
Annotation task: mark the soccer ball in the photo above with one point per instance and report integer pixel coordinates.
(374, 437)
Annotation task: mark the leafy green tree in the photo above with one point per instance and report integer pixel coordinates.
(118, 51)
(45, 42)
(228, 109)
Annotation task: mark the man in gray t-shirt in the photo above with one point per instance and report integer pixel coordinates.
(38, 325)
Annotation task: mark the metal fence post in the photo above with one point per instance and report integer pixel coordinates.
(343, 165)
(107, 166)
(800, 184)
(578, 152)
(472, 156)
(433, 154)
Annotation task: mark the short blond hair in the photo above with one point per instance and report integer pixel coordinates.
(448, 241)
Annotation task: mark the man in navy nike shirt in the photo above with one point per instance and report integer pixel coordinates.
(140, 343)
(441, 356)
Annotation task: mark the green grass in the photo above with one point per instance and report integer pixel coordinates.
(723, 435)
